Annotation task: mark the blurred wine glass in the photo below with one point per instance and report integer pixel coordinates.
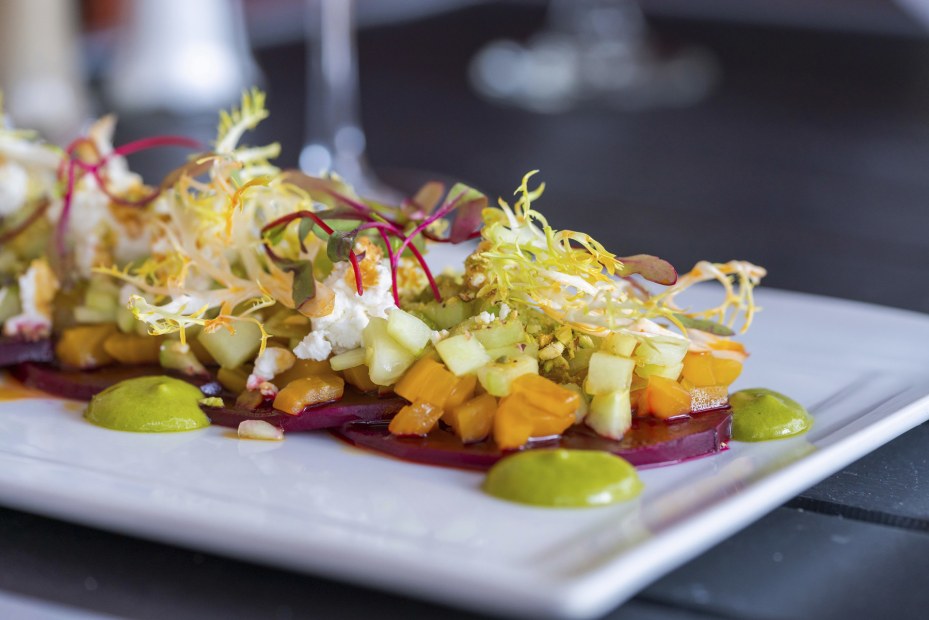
(593, 51)
(334, 140)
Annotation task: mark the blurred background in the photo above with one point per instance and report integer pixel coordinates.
(792, 133)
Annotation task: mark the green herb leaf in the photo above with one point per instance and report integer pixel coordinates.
(339, 245)
(304, 286)
(304, 230)
(704, 325)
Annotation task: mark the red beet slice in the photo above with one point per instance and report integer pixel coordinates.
(83, 384)
(353, 407)
(649, 443)
(16, 351)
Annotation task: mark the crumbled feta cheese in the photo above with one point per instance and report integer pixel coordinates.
(477, 279)
(14, 188)
(37, 288)
(269, 364)
(504, 311)
(340, 330)
(438, 335)
(485, 318)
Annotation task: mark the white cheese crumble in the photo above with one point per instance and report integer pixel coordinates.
(340, 330)
(504, 311)
(268, 365)
(484, 318)
(438, 336)
(37, 288)
(14, 188)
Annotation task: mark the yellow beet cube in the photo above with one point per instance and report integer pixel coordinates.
(416, 419)
(82, 346)
(463, 391)
(664, 398)
(301, 370)
(301, 393)
(547, 395)
(472, 420)
(704, 369)
(427, 380)
(132, 348)
(359, 378)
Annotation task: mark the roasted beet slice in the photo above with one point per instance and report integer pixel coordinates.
(649, 443)
(353, 407)
(16, 351)
(83, 384)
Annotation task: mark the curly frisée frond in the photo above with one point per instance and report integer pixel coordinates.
(233, 124)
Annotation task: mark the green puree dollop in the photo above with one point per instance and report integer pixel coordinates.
(148, 405)
(759, 414)
(563, 478)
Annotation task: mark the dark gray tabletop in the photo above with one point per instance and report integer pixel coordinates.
(809, 159)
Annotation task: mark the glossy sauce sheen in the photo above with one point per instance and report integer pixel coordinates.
(648, 443)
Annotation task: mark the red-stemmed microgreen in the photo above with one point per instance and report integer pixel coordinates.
(72, 164)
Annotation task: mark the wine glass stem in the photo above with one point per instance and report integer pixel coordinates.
(334, 140)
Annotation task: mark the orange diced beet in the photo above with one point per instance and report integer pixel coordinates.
(704, 369)
(416, 419)
(546, 395)
(462, 392)
(512, 423)
(301, 393)
(518, 419)
(359, 378)
(472, 420)
(427, 380)
(666, 398)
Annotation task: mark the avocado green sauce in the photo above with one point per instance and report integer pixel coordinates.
(148, 405)
(563, 478)
(759, 414)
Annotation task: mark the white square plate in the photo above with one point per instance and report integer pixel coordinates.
(313, 504)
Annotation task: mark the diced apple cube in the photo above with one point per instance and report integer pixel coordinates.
(462, 354)
(408, 330)
(608, 373)
(610, 414)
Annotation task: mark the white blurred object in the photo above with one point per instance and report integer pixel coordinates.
(334, 140)
(180, 56)
(593, 50)
(41, 74)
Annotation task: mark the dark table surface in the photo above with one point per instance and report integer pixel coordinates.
(810, 159)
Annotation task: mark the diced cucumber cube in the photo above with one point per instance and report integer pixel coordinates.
(176, 356)
(9, 302)
(462, 354)
(386, 358)
(349, 359)
(608, 373)
(125, 320)
(232, 350)
(449, 313)
(88, 315)
(669, 372)
(408, 330)
(661, 350)
(610, 414)
(500, 333)
(620, 344)
(497, 377)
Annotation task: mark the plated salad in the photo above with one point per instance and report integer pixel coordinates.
(294, 304)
